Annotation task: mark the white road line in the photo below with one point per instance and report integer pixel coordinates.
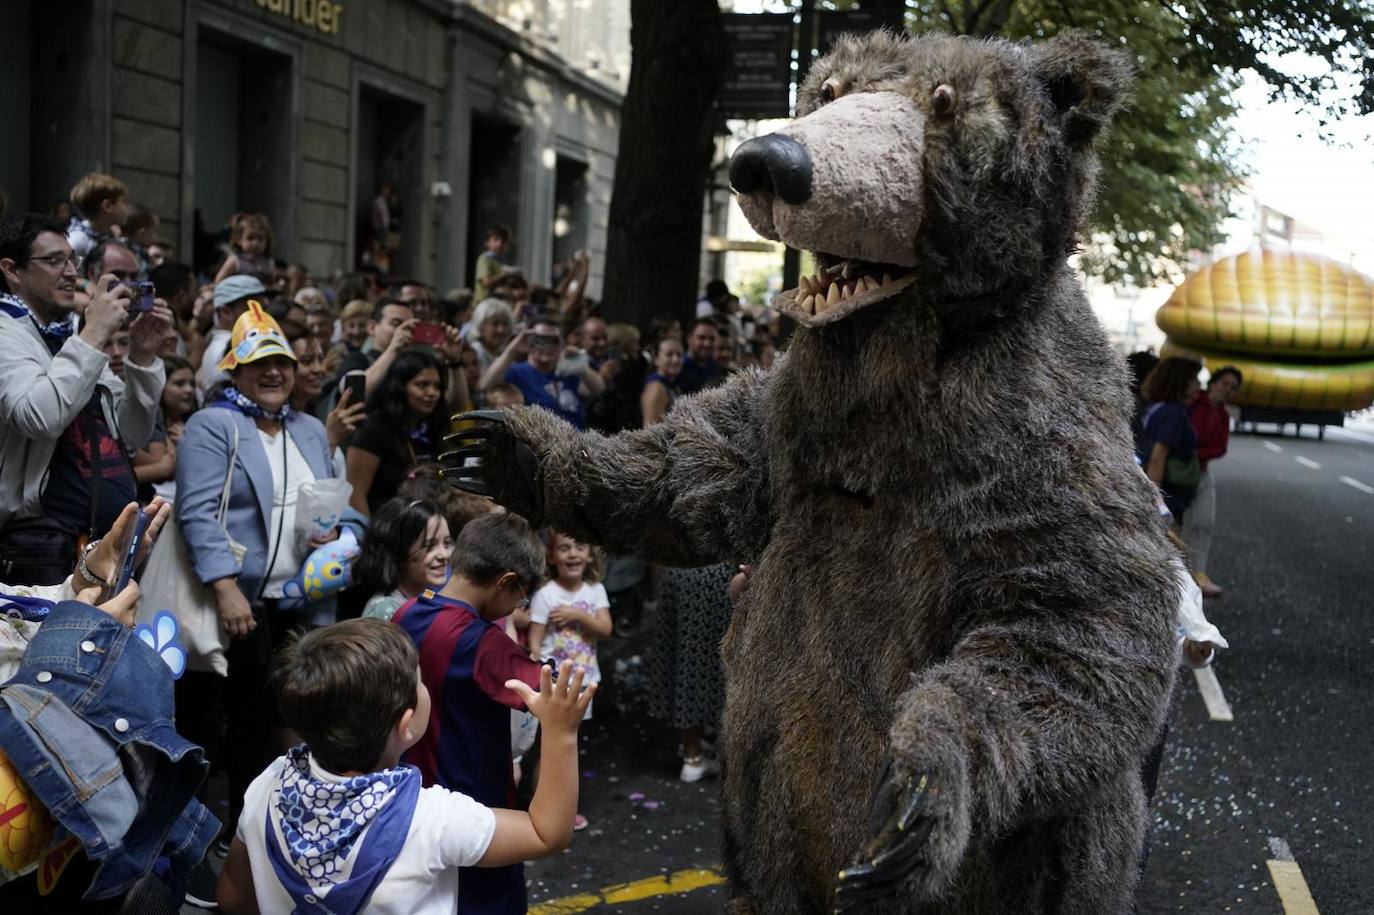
(1277, 449)
(1308, 463)
(1289, 881)
(1212, 695)
(1362, 487)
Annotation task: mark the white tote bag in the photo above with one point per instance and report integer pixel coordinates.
(169, 583)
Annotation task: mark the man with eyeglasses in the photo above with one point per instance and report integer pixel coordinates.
(537, 377)
(68, 418)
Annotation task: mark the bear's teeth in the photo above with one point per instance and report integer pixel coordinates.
(808, 304)
(869, 284)
(804, 286)
(847, 270)
(887, 278)
(833, 296)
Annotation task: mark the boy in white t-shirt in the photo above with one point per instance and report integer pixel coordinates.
(339, 826)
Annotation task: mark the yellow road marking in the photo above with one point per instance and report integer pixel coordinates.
(669, 885)
(1293, 892)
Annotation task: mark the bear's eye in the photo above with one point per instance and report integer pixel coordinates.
(830, 90)
(942, 99)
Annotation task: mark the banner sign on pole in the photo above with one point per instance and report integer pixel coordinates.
(856, 22)
(756, 79)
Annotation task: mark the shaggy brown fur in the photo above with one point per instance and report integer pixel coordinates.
(959, 566)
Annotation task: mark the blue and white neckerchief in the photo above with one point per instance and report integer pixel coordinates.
(332, 842)
(57, 331)
(234, 400)
(12, 305)
(420, 433)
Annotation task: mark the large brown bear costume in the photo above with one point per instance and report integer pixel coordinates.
(958, 640)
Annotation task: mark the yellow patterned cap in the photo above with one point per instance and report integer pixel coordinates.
(256, 336)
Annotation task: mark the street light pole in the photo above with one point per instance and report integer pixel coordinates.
(791, 258)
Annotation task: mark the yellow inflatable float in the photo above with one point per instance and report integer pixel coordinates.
(1286, 303)
(1299, 325)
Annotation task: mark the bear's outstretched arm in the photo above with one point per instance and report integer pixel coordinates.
(690, 490)
(1025, 721)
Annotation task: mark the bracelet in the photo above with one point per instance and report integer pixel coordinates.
(84, 570)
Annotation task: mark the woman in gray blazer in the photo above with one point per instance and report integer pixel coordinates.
(273, 450)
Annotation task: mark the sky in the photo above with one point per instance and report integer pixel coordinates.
(1330, 186)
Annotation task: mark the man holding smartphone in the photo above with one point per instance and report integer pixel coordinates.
(68, 417)
(537, 379)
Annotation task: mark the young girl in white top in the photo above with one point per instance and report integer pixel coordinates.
(570, 613)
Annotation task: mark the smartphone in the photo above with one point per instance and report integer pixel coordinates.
(144, 294)
(356, 384)
(128, 553)
(429, 334)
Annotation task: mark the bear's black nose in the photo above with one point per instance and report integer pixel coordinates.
(774, 163)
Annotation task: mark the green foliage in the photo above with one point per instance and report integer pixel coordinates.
(1170, 162)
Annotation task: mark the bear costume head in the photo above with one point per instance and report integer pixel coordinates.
(950, 169)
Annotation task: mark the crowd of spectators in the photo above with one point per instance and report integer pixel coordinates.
(224, 388)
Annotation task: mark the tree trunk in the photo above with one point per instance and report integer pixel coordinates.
(653, 244)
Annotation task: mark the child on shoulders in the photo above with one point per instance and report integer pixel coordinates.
(339, 825)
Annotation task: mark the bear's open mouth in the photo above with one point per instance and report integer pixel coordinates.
(841, 286)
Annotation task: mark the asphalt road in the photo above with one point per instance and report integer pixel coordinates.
(1294, 550)
(1296, 763)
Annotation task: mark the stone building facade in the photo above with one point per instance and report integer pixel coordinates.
(305, 108)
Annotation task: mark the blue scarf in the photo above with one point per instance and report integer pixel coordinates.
(12, 305)
(231, 399)
(57, 331)
(331, 843)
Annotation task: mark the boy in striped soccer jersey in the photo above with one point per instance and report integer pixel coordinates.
(465, 662)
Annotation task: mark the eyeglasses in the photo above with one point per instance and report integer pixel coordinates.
(56, 260)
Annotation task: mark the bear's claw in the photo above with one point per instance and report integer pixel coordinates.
(488, 460)
(895, 851)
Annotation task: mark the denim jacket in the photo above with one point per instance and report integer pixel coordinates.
(87, 723)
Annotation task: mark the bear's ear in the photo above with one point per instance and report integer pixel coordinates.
(1085, 81)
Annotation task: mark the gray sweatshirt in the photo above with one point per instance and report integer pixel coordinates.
(42, 394)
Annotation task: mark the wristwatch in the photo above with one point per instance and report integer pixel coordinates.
(84, 570)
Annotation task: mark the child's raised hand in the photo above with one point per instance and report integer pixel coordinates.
(558, 706)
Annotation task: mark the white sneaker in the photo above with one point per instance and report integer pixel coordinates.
(694, 770)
